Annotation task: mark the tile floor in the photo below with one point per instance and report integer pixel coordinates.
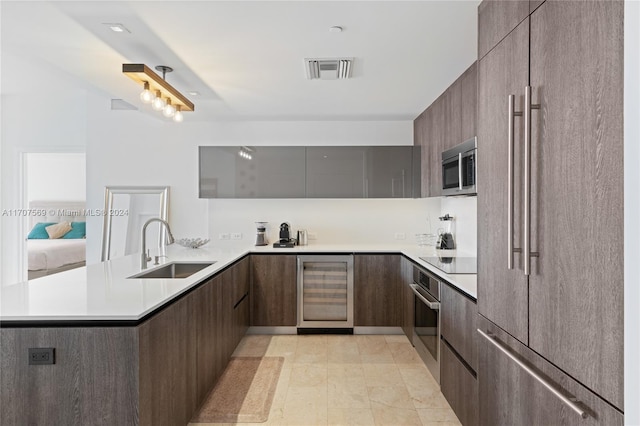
(350, 380)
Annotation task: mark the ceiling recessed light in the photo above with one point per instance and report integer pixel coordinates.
(335, 29)
(117, 28)
(192, 93)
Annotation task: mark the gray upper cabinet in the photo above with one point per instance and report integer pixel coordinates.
(310, 172)
(496, 19)
(272, 172)
(336, 172)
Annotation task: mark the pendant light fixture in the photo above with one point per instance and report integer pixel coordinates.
(161, 95)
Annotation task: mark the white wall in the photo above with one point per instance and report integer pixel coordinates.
(56, 176)
(135, 148)
(46, 119)
(632, 212)
(465, 213)
(334, 221)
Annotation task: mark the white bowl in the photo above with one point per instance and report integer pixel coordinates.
(192, 242)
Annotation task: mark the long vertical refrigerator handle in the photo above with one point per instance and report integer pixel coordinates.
(528, 106)
(511, 126)
(460, 171)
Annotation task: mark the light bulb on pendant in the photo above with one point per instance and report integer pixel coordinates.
(158, 102)
(146, 96)
(178, 115)
(169, 110)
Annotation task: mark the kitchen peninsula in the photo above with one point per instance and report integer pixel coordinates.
(137, 351)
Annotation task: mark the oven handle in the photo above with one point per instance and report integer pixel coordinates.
(432, 305)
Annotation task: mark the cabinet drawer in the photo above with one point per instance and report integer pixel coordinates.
(459, 386)
(510, 395)
(458, 315)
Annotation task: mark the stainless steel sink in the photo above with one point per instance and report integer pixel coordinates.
(173, 270)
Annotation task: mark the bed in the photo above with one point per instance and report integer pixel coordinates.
(49, 256)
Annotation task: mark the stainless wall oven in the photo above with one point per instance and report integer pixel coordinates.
(459, 169)
(426, 327)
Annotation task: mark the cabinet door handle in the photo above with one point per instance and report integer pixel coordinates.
(460, 171)
(511, 125)
(564, 396)
(528, 106)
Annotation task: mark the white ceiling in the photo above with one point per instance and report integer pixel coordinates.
(246, 57)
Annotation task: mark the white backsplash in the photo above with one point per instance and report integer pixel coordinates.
(333, 221)
(465, 213)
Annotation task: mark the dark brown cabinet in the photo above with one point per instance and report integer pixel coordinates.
(511, 396)
(447, 122)
(377, 289)
(155, 373)
(458, 385)
(458, 319)
(569, 309)
(458, 348)
(408, 303)
(167, 372)
(496, 19)
(273, 290)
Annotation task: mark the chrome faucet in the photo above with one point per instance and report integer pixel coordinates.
(145, 256)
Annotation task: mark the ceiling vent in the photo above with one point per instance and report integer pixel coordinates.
(328, 69)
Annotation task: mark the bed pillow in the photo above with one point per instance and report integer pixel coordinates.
(39, 232)
(78, 230)
(58, 230)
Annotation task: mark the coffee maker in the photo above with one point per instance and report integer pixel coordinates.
(261, 236)
(445, 234)
(285, 240)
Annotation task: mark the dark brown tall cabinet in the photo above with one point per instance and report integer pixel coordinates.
(447, 122)
(566, 316)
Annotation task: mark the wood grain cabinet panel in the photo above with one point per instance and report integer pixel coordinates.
(408, 299)
(509, 396)
(94, 379)
(469, 103)
(576, 301)
(570, 308)
(458, 315)
(459, 386)
(502, 293)
(168, 385)
(273, 290)
(377, 290)
(496, 19)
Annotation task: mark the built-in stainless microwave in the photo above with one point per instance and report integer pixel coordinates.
(459, 169)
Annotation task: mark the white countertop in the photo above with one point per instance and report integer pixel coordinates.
(102, 292)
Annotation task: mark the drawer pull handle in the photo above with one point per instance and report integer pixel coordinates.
(561, 394)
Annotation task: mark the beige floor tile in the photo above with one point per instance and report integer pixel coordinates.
(342, 349)
(404, 353)
(311, 350)
(350, 416)
(306, 406)
(382, 375)
(396, 338)
(437, 416)
(390, 396)
(386, 416)
(253, 345)
(348, 395)
(346, 374)
(374, 349)
(284, 346)
(308, 375)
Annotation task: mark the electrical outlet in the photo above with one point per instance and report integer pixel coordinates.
(224, 236)
(312, 236)
(41, 356)
(400, 236)
(236, 236)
